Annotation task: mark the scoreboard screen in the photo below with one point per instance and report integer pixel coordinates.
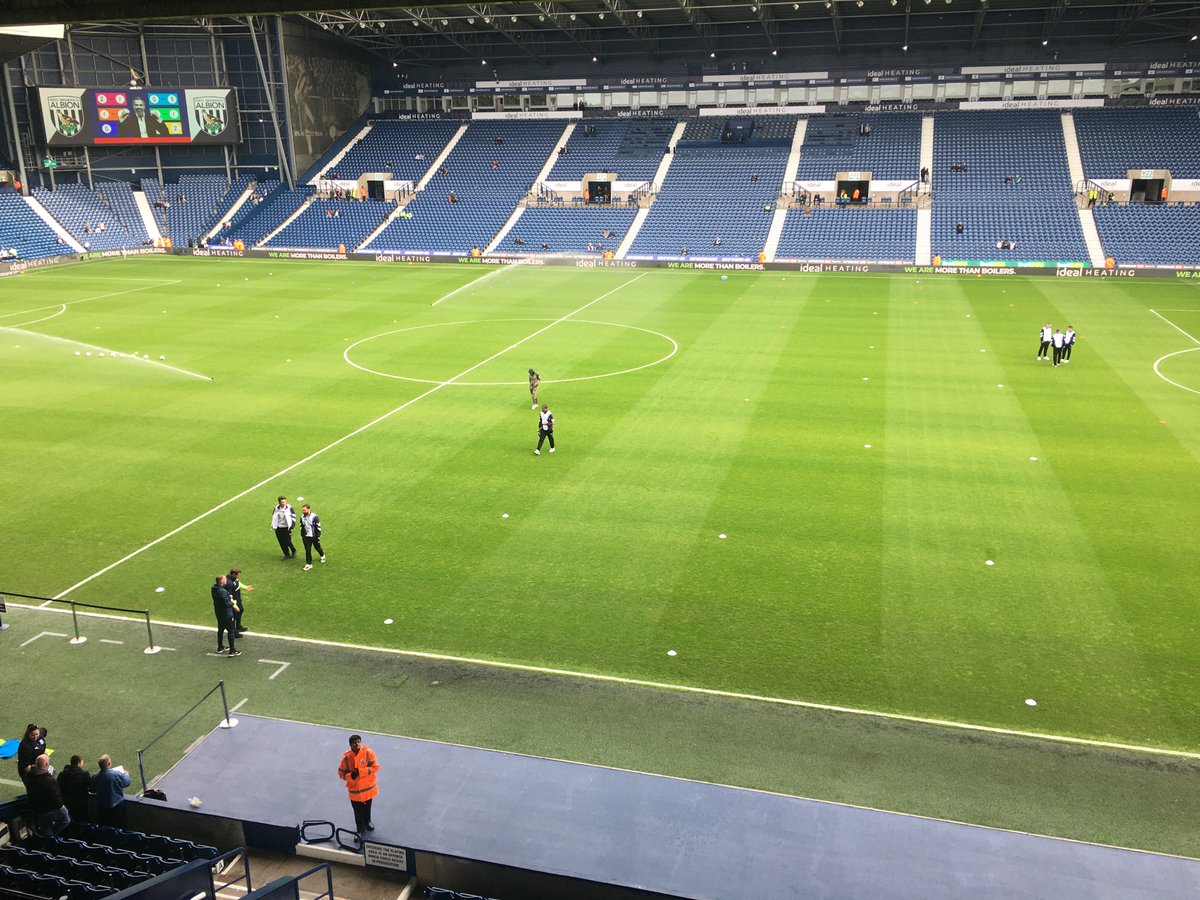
(73, 117)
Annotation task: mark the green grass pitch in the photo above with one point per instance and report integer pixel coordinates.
(687, 408)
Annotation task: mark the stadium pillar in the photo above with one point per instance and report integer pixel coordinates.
(284, 167)
(16, 132)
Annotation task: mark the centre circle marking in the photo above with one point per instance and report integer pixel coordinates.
(382, 334)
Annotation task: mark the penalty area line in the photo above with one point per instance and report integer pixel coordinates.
(666, 686)
(341, 440)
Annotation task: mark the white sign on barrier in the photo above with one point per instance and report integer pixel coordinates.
(385, 856)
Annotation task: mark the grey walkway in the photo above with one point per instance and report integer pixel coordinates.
(661, 834)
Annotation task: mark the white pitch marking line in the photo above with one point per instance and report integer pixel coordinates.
(60, 340)
(172, 649)
(1162, 359)
(274, 662)
(471, 283)
(341, 440)
(89, 299)
(670, 340)
(242, 702)
(683, 688)
(62, 308)
(107, 641)
(19, 784)
(1191, 338)
(42, 635)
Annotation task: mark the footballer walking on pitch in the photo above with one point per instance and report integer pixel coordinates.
(310, 534)
(545, 429)
(534, 380)
(283, 520)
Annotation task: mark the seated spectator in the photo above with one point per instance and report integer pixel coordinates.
(444, 170)
(545, 246)
(452, 198)
(958, 227)
(717, 241)
(495, 164)
(683, 251)
(518, 241)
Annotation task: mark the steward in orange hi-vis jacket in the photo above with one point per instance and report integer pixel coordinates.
(358, 769)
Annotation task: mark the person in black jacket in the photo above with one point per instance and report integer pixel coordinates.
(310, 534)
(233, 584)
(31, 747)
(223, 609)
(46, 799)
(73, 782)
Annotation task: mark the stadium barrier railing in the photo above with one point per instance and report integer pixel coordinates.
(225, 722)
(75, 605)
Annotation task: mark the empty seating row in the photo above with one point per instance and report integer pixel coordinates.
(1113, 141)
(328, 224)
(888, 145)
(1154, 235)
(849, 233)
(113, 878)
(587, 229)
(22, 228)
(467, 204)
(25, 883)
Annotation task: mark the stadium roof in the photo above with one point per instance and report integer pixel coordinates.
(648, 32)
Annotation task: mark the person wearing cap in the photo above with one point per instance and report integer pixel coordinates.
(358, 769)
(545, 429)
(31, 747)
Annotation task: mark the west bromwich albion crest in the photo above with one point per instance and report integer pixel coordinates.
(211, 115)
(66, 111)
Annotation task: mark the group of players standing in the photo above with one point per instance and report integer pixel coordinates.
(1057, 342)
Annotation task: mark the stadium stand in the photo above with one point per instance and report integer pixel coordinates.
(22, 228)
(569, 230)
(1113, 141)
(836, 143)
(392, 146)
(631, 149)
(326, 224)
(849, 233)
(195, 204)
(1156, 235)
(264, 217)
(1035, 211)
(106, 219)
(485, 196)
(708, 193)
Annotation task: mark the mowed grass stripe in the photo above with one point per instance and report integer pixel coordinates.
(1132, 486)
(783, 605)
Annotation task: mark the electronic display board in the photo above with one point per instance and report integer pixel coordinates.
(97, 117)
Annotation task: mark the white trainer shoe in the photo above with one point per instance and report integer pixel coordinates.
(537, 452)
(551, 449)
(307, 566)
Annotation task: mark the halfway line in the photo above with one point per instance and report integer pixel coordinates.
(343, 439)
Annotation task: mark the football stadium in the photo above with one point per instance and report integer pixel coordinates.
(600, 449)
